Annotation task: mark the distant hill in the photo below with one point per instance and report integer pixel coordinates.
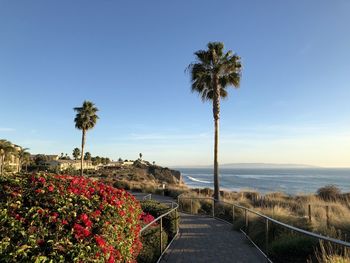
(254, 166)
(265, 165)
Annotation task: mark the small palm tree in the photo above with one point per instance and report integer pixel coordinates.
(6, 148)
(85, 120)
(87, 156)
(76, 153)
(211, 74)
(26, 160)
(23, 156)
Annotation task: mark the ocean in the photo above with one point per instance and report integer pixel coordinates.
(290, 181)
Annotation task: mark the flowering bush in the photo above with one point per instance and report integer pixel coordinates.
(57, 218)
(147, 218)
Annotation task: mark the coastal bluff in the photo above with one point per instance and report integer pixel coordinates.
(142, 172)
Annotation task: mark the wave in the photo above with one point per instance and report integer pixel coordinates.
(199, 181)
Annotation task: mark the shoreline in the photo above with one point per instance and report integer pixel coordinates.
(288, 181)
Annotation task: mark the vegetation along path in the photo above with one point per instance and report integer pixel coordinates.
(205, 239)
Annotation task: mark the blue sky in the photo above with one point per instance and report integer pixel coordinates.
(129, 58)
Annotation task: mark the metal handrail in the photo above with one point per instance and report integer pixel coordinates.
(160, 217)
(174, 208)
(267, 220)
(147, 197)
(302, 231)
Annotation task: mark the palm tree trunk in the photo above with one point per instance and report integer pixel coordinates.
(19, 165)
(216, 113)
(82, 152)
(216, 163)
(2, 164)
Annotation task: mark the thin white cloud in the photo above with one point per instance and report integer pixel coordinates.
(6, 129)
(162, 136)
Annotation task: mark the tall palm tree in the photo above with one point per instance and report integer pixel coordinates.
(85, 120)
(6, 148)
(211, 74)
(23, 155)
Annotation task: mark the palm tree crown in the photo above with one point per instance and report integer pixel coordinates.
(23, 157)
(214, 65)
(6, 148)
(85, 120)
(211, 74)
(86, 116)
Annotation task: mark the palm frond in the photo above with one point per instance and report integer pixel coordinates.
(86, 116)
(212, 64)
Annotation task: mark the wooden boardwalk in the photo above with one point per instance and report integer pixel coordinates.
(205, 239)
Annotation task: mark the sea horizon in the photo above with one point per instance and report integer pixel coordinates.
(291, 181)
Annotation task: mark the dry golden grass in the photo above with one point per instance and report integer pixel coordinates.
(293, 209)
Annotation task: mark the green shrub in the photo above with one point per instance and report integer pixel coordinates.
(156, 209)
(329, 193)
(121, 185)
(206, 207)
(150, 239)
(185, 206)
(223, 211)
(54, 218)
(173, 192)
(149, 189)
(291, 247)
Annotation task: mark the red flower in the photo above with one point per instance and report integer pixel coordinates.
(95, 214)
(80, 231)
(122, 213)
(64, 222)
(84, 217)
(86, 220)
(111, 259)
(91, 190)
(147, 218)
(42, 180)
(18, 217)
(39, 191)
(54, 214)
(100, 241)
(86, 232)
(40, 242)
(51, 188)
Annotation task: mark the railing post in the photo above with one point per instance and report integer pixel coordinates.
(176, 223)
(161, 237)
(191, 205)
(309, 211)
(246, 220)
(213, 210)
(267, 237)
(233, 214)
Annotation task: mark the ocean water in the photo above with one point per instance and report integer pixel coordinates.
(291, 181)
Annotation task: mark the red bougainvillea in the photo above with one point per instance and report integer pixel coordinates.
(67, 218)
